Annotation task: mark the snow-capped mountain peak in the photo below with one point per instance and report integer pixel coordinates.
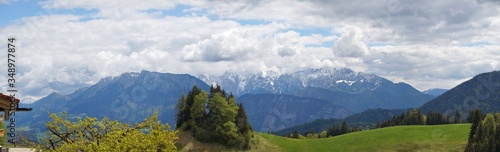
(343, 79)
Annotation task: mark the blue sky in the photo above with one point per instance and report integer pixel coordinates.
(70, 44)
(13, 11)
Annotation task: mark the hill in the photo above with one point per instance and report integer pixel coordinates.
(400, 138)
(187, 142)
(364, 120)
(482, 92)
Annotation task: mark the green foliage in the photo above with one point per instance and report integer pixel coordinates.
(89, 134)
(412, 117)
(181, 108)
(437, 118)
(4, 138)
(198, 110)
(339, 130)
(323, 134)
(225, 122)
(484, 135)
(475, 117)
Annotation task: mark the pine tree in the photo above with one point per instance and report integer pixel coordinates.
(296, 134)
(476, 119)
(344, 129)
(181, 116)
(243, 126)
(184, 108)
(457, 117)
(242, 120)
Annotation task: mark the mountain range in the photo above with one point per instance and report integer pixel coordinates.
(277, 101)
(273, 101)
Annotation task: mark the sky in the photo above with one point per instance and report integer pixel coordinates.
(63, 45)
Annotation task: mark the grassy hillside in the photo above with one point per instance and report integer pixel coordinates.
(400, 138)
(187, 142)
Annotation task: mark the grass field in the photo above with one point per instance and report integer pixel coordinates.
(400, 138)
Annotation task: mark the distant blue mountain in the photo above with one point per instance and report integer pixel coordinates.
(130, 97)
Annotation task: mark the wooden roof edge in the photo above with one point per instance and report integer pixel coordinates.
(8, 97)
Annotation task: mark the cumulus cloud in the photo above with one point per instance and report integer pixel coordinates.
(286, 51)
(427, 65)
(427, 44)
(350, 44)
(226, 46)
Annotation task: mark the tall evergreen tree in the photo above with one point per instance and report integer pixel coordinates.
(243, 126)
(242, 120)
(457, 118)
(344, 129)
(184, 113)
(181, 116)
(476, 119)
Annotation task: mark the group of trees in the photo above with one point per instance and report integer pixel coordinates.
(89, 134)
(415, 117)
(339, 130)
(412, 117)
(330, 132)
(214, 117)
(485, 132)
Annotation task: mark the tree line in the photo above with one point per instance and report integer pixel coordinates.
(416, 117)
(214, 117)
(335, 130)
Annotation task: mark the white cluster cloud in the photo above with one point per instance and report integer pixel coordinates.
(231, 45)
(351, 45)
(425, 43)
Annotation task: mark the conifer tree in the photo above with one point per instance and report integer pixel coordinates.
(457, 117)
(344, 129)
(181, 116)
(476, 119)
